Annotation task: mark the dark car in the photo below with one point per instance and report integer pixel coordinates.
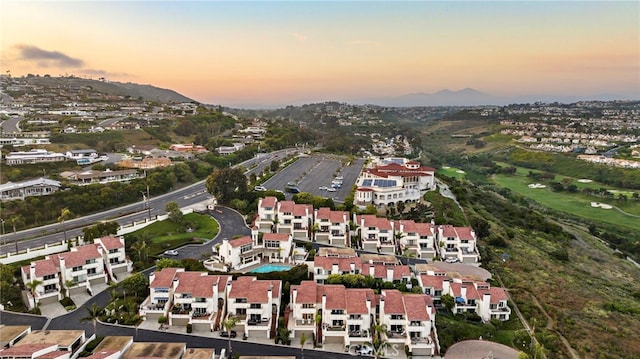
(231, 334)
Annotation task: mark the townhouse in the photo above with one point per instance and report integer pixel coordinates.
(255, 304)
(469, 295)
(416, 239)
(49, 344)
(160, 298)
(332, 313)
(409, 320)
(75, 271)
(266, 217)
(388, 273)
(458, 242)
(323, 267)
(246, 251)
(198, 299)
(376, 234)
(331, 227)
(295, 219)
(114, 256)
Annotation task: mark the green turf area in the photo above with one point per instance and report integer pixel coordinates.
(451, 172)
(167, 234)
(575, 203)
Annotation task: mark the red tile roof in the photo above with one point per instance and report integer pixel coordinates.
(393, 303)
(78, 256)
(431, 281)
(43, 267)
(268, 202)
(335, 294)
(111, 242)
(303, 210)
(199, 284)
(275, 237)
(356, 299)
(254, 290)
(425, 229)
(380, 271)
(497, 294)
(234, 243)
(408, 226)
(307, 292)
(464, 233)
(163, 278)
(370, 220)
(416, 306)
(286, 206)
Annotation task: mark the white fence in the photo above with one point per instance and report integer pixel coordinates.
(59, 247)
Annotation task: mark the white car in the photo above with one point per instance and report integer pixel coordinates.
(171, 252)
(259, 188)
(452, 260)
(331, 189)
(364, 350)
(322, 188)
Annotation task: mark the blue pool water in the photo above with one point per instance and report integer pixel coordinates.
(271, 268)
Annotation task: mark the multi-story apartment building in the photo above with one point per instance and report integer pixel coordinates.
(114, 256)
(294, 219)
(333, 313)
(76, 270)
(458, 242)
(410, 321)
(376, 234)
(387, 273)
(256, 305)
(160, 294)
(416, 238)
(250, 250)
(332, 227)
(266, 217)
(198, 299)
(323, 267)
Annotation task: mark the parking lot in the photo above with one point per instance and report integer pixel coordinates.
(309, 173)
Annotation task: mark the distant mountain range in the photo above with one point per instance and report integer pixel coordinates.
(472, 97)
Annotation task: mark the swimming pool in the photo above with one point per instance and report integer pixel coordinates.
(270, 268)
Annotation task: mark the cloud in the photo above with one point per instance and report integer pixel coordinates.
(97, 72)
(46, 58)
(299, 37)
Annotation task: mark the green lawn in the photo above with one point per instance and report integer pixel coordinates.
(575, 203)
(167, 234)
(451, 172)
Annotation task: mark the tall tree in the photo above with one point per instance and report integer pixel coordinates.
(228, 325)
(175, 214)
(93, 313)
(65, 214)
(303, 340)
(33, 285)
(226, 184)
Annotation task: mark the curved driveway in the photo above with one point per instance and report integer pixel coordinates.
(480, 349)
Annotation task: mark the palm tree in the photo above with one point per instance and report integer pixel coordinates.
(68, 284)
(229, 324)
(303, 340)
(33, 285)
(64, 215)
(140, 246)
(377, 341)
(93, 313)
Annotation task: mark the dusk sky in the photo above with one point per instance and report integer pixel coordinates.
(266, 52)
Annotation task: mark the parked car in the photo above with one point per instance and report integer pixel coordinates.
(226, 334)
(292, 189)
(260, 188)
(322, 188)
(451, 260)
(364, 350)
(331, 189)
(171, 252)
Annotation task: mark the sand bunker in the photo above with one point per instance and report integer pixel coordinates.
(536, 185)
(601, 205)
(459, 171)
(584, 180)
(445, 167)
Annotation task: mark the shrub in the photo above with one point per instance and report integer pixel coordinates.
(67, 302)
(162, 320)
(189, 328)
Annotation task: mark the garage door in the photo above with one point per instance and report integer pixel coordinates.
(258, 334)
(48, 300)
(177, 322)
(201, 327)
(334, 340)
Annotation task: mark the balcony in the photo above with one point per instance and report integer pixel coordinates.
(358, 334)
(302, 322)
(201, 315)
(335, 328)
(396, 335)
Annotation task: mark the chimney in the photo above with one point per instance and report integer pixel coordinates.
(32, 271)
(335, 269)
(270, 294)
(294, 295)
(352, 267)
(463, 292)
(382, 304)
(389, 274)
(324, 302)
(372, 270)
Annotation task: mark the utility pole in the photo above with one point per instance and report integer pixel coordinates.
(148, 203)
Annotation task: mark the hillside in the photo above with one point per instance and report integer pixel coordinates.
(147, 92)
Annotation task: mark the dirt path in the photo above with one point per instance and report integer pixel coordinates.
(550, 327)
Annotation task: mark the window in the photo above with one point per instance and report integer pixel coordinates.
(114, 260)
(115, 250)
(272, 244)
(255, 306)
(91, 271)
(246, 248)
(90, 261)
(397, 316)
(307, 305)
(241, 300)
(76, 269)
(49, 276)
(308, 316)
(50, 288)
(338, 323)
(287, 221)
(297, 226)
(337, 311)
(241, 311)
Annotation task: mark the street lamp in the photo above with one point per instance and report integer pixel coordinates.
(146, 204)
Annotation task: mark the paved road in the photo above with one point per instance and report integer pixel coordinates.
(11, 125)
(53, 233)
